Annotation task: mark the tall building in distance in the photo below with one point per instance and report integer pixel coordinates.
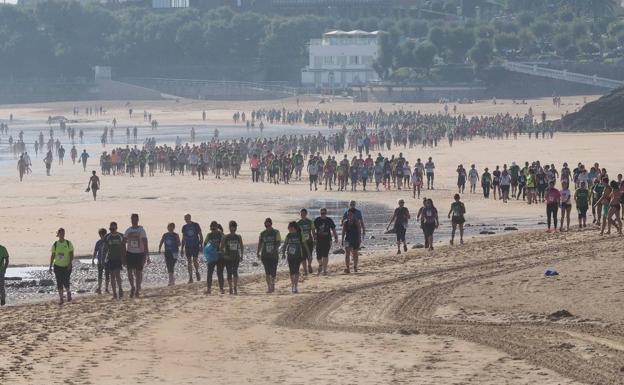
(342, 59)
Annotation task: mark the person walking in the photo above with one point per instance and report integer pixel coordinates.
(458, 209)
(136, 255)
(268, 252)
(215, 238)
(61, 259)
(324, 227)
(4, 263)
(400, 218)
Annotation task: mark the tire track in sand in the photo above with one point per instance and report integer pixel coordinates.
(406, 303)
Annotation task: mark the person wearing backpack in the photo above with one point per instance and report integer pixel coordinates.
(61, 261)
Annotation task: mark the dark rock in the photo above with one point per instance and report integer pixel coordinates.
(254, 264)
(418, 246)
(339, 251)
(81, 291)
(566, 346)
(391, 231)
(84, 269)
(486, 232)
(89, 280)
(511, 228)
(372, 237)
(42, 291)
(541, 223)
(12, 278)
(46, 282)
(604, 114)
(559, 315)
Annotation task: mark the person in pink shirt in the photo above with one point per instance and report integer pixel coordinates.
(553, 197)
(254, 163)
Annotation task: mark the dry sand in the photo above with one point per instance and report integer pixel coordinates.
(465, 315)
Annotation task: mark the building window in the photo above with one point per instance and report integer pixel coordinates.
(342, 60)
(354, 60)
(328, 60)
(318, 61)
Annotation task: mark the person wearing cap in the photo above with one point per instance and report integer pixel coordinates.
(268, 252)
(400, 218)
(61, 259)
(358, 216)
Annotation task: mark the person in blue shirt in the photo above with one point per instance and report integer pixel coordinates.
(192, 239)
(172, 243)
(98, 254)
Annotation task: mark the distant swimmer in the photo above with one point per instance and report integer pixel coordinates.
(94, 184)
(61, 260)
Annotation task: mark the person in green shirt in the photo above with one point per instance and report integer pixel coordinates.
(596, 195)
(114, 254)
(232, 249)
(307, 233)
(268, 252)
(61, 259)
(457, 210)
(581, 197)
(4, 263)
(293, 251)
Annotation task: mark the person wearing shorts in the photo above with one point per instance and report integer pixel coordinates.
(351, 239)
(136, 254)
(268, 252)
(458, 209)
(429, 221)
(324, 227)
(98, 253)
(171, 241)
(191, 240)
(215, 237)
(61, 260)
(581, 198)
(293, 253)
(429, 167)
(114, 255)
(232, 249)
(400, 218)
(307, 233)
(553, 197)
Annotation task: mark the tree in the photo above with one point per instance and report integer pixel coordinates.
(506, 42)
(424, 55)
(542, 28)
(438, 36)
(481, 54)
(460, 40)
(385, 57)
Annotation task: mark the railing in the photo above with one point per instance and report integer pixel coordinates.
(224, 84)
(533, 69)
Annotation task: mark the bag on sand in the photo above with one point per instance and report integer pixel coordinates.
(211, 254)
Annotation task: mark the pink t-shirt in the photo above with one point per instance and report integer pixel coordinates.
(553, 195)
(254, 163)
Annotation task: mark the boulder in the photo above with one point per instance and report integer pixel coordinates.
(339, 251)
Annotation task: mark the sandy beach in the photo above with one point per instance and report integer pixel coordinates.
(481, 313)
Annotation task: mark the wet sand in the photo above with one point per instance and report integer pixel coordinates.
(476, 314)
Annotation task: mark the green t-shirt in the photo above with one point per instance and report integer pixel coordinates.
(515, 171)
(113, 246)
(270, 240)
(61, 252)
(598, 191)
(458, 209)
(582, 197)
(306, 228)
(4, 254)
(232, 245)
(293, 245)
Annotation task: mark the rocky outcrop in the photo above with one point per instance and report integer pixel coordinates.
(604, 114)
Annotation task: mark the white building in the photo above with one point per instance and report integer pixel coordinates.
(341, 59)
(166, 4)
